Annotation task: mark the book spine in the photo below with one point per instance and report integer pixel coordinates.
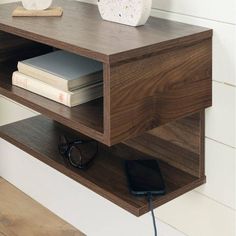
(41, 88)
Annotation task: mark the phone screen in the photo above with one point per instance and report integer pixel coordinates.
(144, 176)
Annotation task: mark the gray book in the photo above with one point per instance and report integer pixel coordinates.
(63, 70)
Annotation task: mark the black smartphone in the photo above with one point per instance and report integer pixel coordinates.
(144, 177)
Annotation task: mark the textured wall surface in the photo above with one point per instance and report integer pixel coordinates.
(209, 210)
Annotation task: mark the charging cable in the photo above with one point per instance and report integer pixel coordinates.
(152, 212)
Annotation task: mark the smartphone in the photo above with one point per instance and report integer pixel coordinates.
(144, 177)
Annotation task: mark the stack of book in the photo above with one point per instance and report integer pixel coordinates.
(61, 76)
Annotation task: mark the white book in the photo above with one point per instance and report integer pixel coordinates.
(69, 99)
(63, 70)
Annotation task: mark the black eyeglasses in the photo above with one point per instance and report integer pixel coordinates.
(80, 153)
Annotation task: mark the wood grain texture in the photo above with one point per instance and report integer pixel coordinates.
(183, 132)
(179, 143)
(98, 39)
(152, 91)
(172, 154)
(38, 136)
(202, 144)
(22, 216)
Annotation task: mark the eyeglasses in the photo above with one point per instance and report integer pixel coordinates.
(80, 153)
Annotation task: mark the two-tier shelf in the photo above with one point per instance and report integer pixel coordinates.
(157, 84)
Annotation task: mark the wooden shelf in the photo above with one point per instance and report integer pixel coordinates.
(152, 75)
(157, 82)
(38, 136)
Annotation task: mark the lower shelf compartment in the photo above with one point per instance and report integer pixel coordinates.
(39, 135)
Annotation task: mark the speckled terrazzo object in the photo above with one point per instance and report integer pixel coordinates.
(36, 4)
(129, 12)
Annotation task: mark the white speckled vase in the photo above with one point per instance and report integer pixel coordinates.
(36, 4)
(128, 12)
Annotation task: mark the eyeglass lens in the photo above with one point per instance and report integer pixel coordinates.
(81, 154)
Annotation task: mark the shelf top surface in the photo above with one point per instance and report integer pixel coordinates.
(81, 30)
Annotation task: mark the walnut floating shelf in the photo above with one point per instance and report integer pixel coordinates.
(39, 135)
(157, 83)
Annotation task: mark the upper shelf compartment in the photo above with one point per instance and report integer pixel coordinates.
(152, 75)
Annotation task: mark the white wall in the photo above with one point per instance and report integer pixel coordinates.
(209, 210)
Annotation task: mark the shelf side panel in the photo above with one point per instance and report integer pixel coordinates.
(151, 91)
(179, 143)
